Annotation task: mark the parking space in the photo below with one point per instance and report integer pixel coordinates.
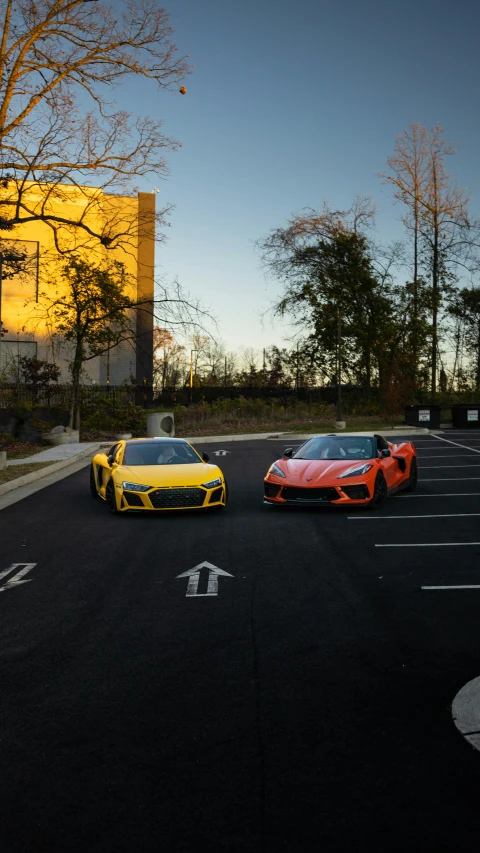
(432, 537)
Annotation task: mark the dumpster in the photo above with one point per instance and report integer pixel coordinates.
(424, 415)
(466, 415)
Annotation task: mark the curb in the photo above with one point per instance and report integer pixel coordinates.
(210, 439)
(48, 469)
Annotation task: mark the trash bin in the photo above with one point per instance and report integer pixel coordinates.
(424, 415)
(160, 424)
(466, 415)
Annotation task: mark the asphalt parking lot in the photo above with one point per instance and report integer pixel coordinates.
(305, 705)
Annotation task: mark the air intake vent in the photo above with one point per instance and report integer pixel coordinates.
(356, 493)
(131, 499)
(271, 490)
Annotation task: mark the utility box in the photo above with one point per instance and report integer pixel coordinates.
(160, 424)
(424, 415)
(466, 415)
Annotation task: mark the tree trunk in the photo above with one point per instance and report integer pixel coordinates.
(74, 418)
(478, 358)
(458, 338)
(415, 296)
(434, 310)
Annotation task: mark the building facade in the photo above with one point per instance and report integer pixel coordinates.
(27, 330)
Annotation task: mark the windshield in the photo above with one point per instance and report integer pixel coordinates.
(159, 453)
(337, 447)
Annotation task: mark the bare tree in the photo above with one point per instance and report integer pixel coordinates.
(409, 174)
(54, 54)
(437, 215)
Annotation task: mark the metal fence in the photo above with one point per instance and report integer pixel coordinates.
(326, 394)
(58, 396)
(117, 396)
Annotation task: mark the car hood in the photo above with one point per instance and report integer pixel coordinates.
(168, 475)
(316, 472)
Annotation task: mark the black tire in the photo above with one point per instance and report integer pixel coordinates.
(110, 498)
(380, 493)
(413, 479)
(93, 484)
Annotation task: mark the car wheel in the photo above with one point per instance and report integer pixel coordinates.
(93, 484)
(110, 498)
(380, 493)
(413, 479)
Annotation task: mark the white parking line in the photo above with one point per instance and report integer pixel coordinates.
(456, 444)
(449, 456)
(436, 446)
(424, 467)
(427, 545)
(401, 517)
(458, 586)
(441, 495)
(446, 479)
(429, 445)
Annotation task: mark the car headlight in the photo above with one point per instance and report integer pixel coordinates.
(212, 483)
(274, 469)
(356, 472)
(135, 487)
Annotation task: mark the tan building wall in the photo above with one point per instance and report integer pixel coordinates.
(24, 297)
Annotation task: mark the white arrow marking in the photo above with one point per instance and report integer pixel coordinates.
(193, 576)
(221, 452)
(16, 580)
(10, 569)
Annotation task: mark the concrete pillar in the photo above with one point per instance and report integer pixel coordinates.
(160, 424)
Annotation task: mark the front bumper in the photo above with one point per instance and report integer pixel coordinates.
(164, 498)
(349, 493)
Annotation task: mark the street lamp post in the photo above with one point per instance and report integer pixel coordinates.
(340, 423)
(191, 372)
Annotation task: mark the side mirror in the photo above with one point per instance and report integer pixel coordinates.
(386, 453)
(205, 457)
(288, 452)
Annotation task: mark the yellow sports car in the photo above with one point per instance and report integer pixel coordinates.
(156, 473)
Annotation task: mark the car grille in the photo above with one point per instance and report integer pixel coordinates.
(176, 498)
(291, 493)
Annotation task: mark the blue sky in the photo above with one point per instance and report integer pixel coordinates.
(291, 104)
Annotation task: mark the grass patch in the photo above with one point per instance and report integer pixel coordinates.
(12, 472)
(312, 426)
(24, 451)
(215, 426)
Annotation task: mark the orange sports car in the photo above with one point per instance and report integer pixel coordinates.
(341, 470)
